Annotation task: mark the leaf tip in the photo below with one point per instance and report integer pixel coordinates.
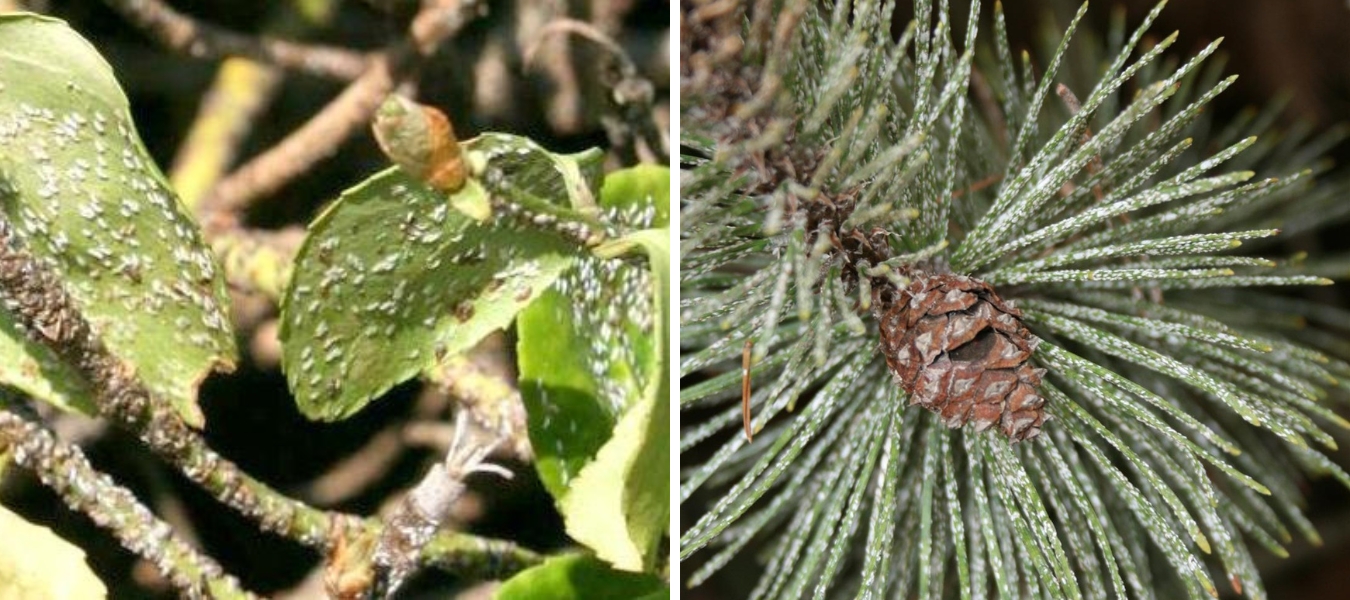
(1202, 542)
(1314, 538)
(1209, 587)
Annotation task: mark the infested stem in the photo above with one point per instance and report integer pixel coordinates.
(64, 469)
(491, 400)
(423, 509)
(49, 315)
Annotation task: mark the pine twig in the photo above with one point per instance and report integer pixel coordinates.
(200, 39)
(351, 111)
(49, 315)
(66, 471)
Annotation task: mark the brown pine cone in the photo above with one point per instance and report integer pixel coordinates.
(962, 352)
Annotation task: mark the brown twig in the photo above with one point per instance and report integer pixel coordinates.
(1095, 164)
(242, 89)
(313, 141)
(745, 389)
(978, 185)
(352, 110)
(631, 95)
(199, 39)
(993, 114)
(376, 458)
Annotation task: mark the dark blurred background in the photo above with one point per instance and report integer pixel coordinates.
(481, 81)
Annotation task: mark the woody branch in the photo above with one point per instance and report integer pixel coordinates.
(65, 469)
(200, 39)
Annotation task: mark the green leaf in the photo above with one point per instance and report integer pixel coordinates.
(629, 476)
(569, 419)
(579, 577)
(626, 479)
(79, 186)
(36, 371)
(36, 564)
(583, 344)
(640, 188)
(536, 180)
(391, 279)
(593, 360)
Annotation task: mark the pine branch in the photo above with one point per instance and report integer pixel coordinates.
(814, 220)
